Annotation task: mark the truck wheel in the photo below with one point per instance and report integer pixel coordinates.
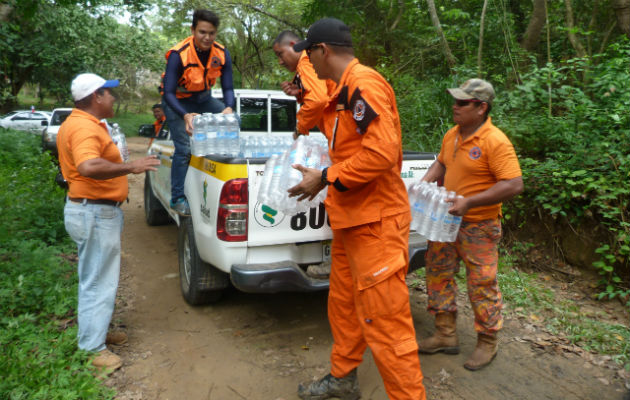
(154, 212)
(201, 283)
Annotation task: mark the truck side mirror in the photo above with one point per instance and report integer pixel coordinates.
(146, 130)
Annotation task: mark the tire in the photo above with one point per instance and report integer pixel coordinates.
(201, 283)
(154, 212)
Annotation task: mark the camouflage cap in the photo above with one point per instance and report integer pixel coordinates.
(474, 89)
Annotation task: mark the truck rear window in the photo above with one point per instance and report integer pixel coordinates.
(254, 115)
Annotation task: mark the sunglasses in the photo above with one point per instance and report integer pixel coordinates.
(464, 103)
(313, 47)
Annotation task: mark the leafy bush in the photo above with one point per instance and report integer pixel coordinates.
(38, 288)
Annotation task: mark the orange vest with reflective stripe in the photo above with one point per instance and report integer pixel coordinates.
(197, 77)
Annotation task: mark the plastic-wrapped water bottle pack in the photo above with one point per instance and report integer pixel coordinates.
(429, 212)
(279, 175)
(215, 134)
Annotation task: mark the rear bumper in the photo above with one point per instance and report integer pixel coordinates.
(284, 276)
(287, 276)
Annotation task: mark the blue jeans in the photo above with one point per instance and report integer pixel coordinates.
(96, 230)
(204, 103)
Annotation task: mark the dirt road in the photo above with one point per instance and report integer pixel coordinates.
(259, 347)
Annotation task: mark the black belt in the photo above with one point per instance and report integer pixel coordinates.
(95, 201)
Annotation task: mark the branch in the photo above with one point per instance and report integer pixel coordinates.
(575, 41)
(299, 29)
(481, 25)
(401, 8)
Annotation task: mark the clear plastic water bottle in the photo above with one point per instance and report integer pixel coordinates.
(453, 227)
(120, 141)
(211, 132)
(417, 204)
(198, 139)
(221, 141)
(276, 194)
(232, 129)
(446, 220)
(297, 155)
(265, 185)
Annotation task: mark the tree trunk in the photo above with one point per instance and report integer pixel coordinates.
(622, 10)
(450, 59)
(534, 29)
(575, 41)
(480, 50)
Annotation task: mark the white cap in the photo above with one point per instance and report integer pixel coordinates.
(86, 84)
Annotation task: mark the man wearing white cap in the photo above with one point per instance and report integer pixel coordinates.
(96, 175)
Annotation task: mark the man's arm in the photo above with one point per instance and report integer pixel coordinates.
(100, 168)
(314, 100)
(501, 191)
(227, 84)
(435, 173)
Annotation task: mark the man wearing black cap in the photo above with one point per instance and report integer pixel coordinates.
(368, 301)
(478, 162)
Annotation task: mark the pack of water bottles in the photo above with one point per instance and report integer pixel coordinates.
(215, 134)
(429, 212)
(263, 146)
(120, 141)
(279, 175)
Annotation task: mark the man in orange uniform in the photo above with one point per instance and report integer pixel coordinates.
(478, 162)
(368, 301)
(96, 175)
(310, 91)
(160, 119)
(192, 68)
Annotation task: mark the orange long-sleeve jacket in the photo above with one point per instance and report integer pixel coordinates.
(313, 95)
(363, 129)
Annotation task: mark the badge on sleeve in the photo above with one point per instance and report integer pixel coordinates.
(362, 112)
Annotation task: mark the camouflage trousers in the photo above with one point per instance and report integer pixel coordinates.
(476, 245)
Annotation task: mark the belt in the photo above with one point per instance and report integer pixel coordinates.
(95, 201)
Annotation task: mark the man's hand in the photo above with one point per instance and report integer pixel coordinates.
(289, 88)
(311, 183)
(460, 206)
(227, 110)
(148, 163)
(188, 120)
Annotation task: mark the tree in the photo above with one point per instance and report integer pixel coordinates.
(450, 59)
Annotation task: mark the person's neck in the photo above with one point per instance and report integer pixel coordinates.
(93, 112)
(469, 130)
(340, 64)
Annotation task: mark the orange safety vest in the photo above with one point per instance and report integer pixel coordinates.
(196, 77)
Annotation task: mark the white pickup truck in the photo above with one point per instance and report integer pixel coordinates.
(230, 236)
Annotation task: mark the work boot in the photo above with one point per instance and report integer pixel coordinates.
(346, 388)
(107, 360)
(445, 337)
(116, 338)
(484, 353)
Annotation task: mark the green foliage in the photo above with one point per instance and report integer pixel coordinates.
(38, 288)
(130, 122)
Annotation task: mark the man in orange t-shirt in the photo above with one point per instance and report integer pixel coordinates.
(368, 300)
(478, 162)
(96, 175)
(160, 119)
(310, 91)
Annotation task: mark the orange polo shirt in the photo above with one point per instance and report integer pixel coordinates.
(313, 95)
(477, 163)
(363, 129)
(82, 137)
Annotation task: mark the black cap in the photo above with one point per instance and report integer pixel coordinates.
(326, 30)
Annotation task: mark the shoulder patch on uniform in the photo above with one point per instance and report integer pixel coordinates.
(362, 112)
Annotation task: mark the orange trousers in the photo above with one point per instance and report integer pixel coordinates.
(368, 305)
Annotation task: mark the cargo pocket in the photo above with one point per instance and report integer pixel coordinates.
(405, 347)
(385, 296)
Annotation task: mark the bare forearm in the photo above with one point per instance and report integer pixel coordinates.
(501, 191)
(101, 169)
(436, 172)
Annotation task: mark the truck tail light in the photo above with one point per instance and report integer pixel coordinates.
(233, 206)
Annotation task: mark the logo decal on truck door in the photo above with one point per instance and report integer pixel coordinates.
(266, 216)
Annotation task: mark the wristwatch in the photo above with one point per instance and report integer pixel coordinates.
(325, 176)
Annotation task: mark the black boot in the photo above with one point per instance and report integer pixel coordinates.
(346, 388)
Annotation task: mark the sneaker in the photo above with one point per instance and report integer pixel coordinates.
(116, 338)
(180, 206)
(107, 360)
(346, 388)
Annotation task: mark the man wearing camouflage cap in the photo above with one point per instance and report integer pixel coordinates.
(478, 162)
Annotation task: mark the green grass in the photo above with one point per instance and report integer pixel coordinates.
(129, 122)
(38, 287)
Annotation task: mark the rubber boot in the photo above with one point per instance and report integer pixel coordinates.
(484, 353)
(346, 388)
(445, 337)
